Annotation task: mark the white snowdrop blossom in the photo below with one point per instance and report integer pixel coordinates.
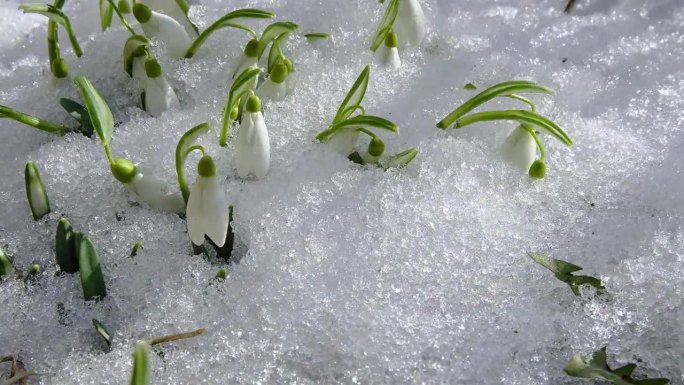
(410, 24)
(275, 87)
(208, 209)
(159, 95)
(345, 142)
(520, 149)
(141, 182)
(253, 150)
(248, 58)
(389, 55)
(165, 28)
(171, 8)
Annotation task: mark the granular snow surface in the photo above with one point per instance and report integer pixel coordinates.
(350, 274)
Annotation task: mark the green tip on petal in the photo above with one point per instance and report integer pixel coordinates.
(279, 73)
(142, 12)
(206, 167)
(391, 40)
(253, 104)
(152, 68)
(60, 68)
(538, 169)
(376, 147)
(124, 7)
(290, 66)
(252, 48)
(123, 170)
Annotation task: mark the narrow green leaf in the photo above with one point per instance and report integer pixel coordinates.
(135, 46)
(596, 367)
(65, 247)
(182, 150)
(98, 110)
(136, 248)
(106, 13)
(226, 21)
(102, 331)
(469, 87)
(35, 191)
(501, 89)
(385, 24)
(243, 83)
(564, 272)
(354, 96)
(92, 280)
(521, 116)
(272, 31)
(5, 263)
(55, 14)
(355, 123)
(316, 36)
(78, 112)
(43, 125)
(140, 366)
(401, 159)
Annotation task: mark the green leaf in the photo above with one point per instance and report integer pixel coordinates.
(106, 13)
(43, 125)
(140, 366)
(401, 159)
(272, 31)
(35, 191)
(136, 248)
(469, 87)
(183, 148)
(135, 46)
(66, 250)
(385, 24)
(501, 89)
(354, 96)
(55, 14)
(316, 36)
(521, 116)
(92, 280)
(78, 112)
(98, 110)
(564, 272)
(5, 263)
(226, 21)
(102, 331)
(596, 366)
(355, 123)
(243, 83)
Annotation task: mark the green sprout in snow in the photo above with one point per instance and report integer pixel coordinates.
(564, 272)
(596, 366)
(5, 263)
(521, 145)
(35, 191)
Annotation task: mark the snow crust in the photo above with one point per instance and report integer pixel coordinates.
(349, 274)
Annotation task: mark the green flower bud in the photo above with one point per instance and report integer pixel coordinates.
(234, 113)
(206, 167)
(60, 68)
(376, 147)
(252, 48)
(35, 191)
(123, 170)
(538, 169)
(253, 104)
(152, 68)
(142, 12)
(391, 40)
(290, 66)
(124, 7)
(5, 263)
(279, 73)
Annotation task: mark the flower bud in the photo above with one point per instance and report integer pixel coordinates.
(290, 66)
(35, 191)
(253, 104)
(376, 147)
(206, 167)
(123, 170)
(234, 113)
(279, 73)
(142, 12)
(252, 48)
(124, 7)
(60, 68)
(152, 68)
(391, 40)
(538, 169)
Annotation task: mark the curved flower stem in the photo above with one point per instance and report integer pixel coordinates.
(198, 148)
(537, 140)
(525, 100)
(108, 152)
(223, 138)
(43, 125)
(367, 132)
(122, 18)
(521, 116)
(350, 110)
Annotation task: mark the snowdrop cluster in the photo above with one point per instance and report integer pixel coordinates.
(402, 25)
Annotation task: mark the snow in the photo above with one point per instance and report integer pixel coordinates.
(349, 274)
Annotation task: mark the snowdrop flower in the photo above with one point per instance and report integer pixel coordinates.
(253, 150)
(208, 209)
(275, 87)
(171, 8)
(141, 182)
(520, 148)
(248, 58)
(159, 96)
(390, 54)
(164, 27)
(35, 191)
(410, 23)
(345, 142)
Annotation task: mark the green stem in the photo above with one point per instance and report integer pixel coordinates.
(529, 129)
(122, 18)
(201, 39)
(226, 121)
(43, 125)
(108, 152)
(180, 173)
(525, 100)
(521, 116)
(367, 132)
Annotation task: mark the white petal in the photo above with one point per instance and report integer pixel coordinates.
(215, 211)
(410, 23)
(159, 96)
(138, 72)
(520, 149)
(244, 63)
(390, 57)
(150, 190)
(168, 30)
(345, 142)
(270, 90)
(194, 213)
(253, 149)
(172, 9)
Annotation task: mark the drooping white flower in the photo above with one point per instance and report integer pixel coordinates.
(163, 27)
(520, 149)
(275, 86)
(345, 142)
(248, 58)
(253, 150)
(35, 191)
(141, 182)
(138, 72)
(171, 8)
(159, 95)
(410, 24)
(208, 209)
(389, 54)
